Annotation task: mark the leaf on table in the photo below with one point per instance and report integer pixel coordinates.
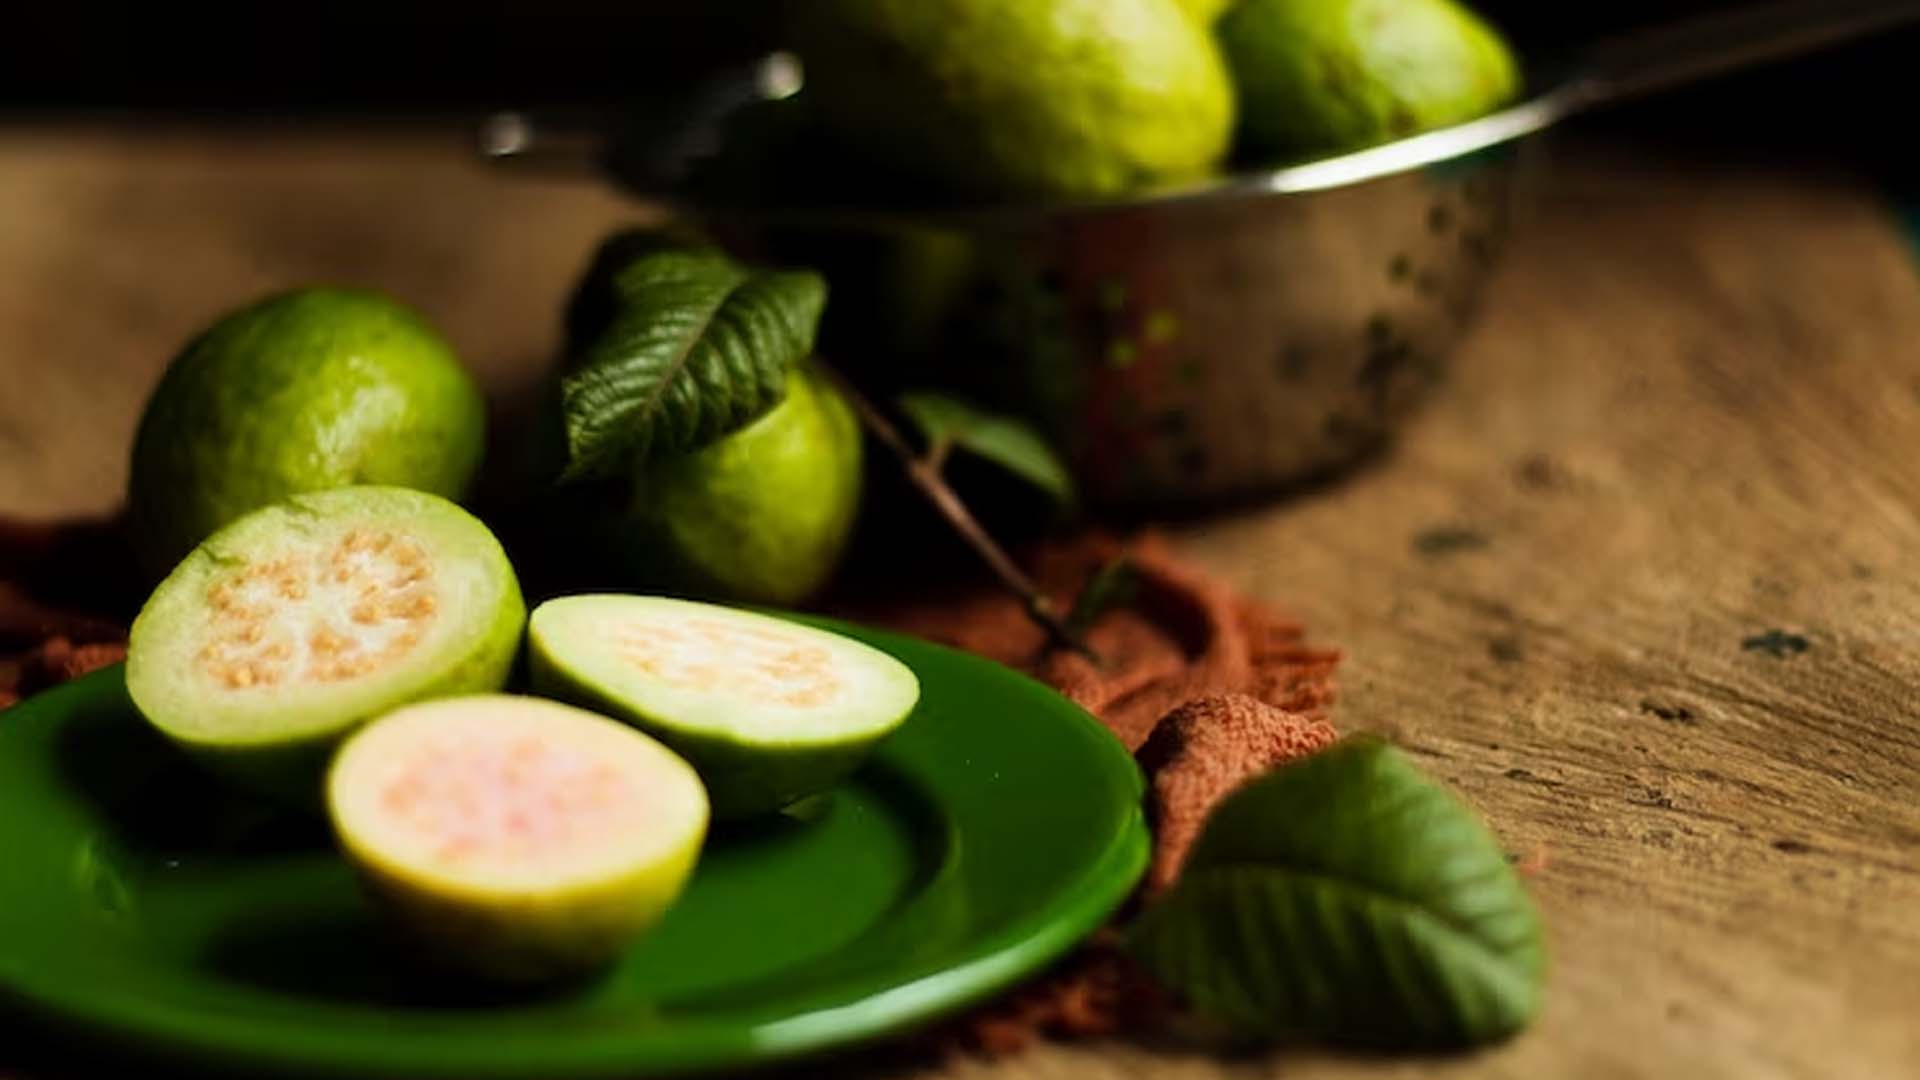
(948, 422)
(699, 347)
(1348, 897)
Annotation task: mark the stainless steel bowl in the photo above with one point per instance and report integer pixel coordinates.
(1178, 352)
(1195, 345)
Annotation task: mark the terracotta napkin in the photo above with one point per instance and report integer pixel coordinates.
(64, 603)
(1206, 686)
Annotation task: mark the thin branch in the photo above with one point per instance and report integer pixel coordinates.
(937, 453)
(925, 473)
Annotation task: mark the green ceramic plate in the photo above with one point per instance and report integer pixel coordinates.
(141, 904)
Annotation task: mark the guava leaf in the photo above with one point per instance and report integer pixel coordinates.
(700, 346)
(1347, 897)
(601, 292)
(1111, 586)
(1003, 440)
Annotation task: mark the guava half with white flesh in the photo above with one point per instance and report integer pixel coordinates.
(291, 626)
(516, 839)
(769, 711)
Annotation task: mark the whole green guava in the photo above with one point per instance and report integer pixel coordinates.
(1018, 98)
(760, 516)
(304, 391)
(1325, 76)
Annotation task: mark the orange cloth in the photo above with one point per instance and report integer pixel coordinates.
(1208, 687)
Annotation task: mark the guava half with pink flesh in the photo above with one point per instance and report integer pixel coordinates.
(768, 710)
(517, 839)
(288, 628)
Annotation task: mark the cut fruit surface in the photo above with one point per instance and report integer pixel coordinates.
(297, 622)
(769, 711)
(517, 838)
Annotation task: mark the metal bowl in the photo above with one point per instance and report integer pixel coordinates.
(1179, 352)
(1190, 346)
(1181, 347)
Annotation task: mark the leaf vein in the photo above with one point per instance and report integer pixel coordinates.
(1372, 892)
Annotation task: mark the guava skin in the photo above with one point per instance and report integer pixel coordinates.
(303, 391)
(1327, 76)
(761, 516)
(1013, 99)
(289, 770)
(570, 937)
(1205, 11)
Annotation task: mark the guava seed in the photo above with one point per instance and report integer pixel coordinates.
(320, 614)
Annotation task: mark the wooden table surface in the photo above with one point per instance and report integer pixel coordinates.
(1644, 583)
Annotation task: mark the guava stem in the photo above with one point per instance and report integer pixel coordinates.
(925, 474)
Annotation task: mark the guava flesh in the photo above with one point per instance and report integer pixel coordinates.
(516, 839)
(289, 627)
(767, 710)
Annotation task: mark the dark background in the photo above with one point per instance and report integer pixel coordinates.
(361, 59)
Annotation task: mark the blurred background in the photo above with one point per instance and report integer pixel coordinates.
(157, 163)
(364, 61)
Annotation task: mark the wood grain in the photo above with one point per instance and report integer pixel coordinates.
(1689, 420)
(1680, 446)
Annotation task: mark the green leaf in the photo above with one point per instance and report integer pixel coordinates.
(700, 346)
(1009, 443)
(1111, 586)
(1347, 897)
(600, 294)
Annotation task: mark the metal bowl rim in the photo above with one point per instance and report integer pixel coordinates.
(1380, 162)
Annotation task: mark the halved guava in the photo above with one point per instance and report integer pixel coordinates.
(516, 838)
(768, 710)
(291, 626)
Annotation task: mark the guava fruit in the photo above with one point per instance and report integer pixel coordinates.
(1325, 76)
(1012, 98)
(768, 711)
(760, 516)
(303, 391)
(1205, 11)
(286, 629)
(517, 839)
